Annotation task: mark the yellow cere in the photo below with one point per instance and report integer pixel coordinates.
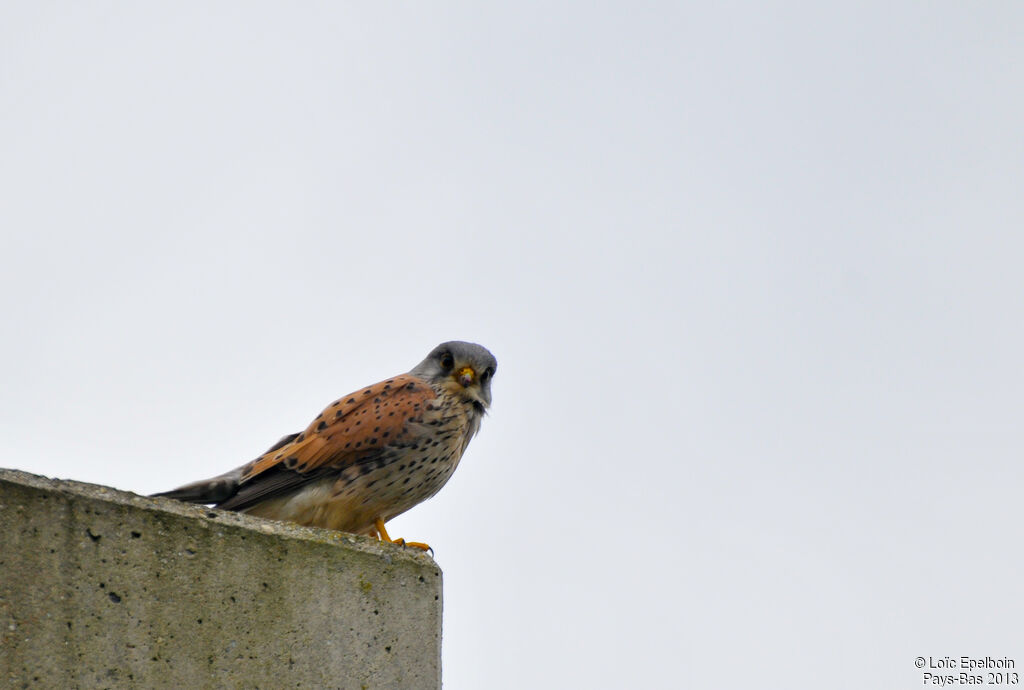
(466, 375)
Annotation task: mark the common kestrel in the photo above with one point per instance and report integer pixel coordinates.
(370, 455)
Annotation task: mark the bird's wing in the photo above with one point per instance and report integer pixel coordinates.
(351, 430)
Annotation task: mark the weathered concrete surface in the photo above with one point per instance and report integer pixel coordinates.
(105, 589)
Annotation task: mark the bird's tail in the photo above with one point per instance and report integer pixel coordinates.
(213, 490)
(219, 488)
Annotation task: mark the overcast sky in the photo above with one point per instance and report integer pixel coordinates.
(752, 274)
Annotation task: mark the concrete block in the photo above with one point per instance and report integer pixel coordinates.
(101, 588)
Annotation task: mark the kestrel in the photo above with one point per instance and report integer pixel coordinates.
(370, 455)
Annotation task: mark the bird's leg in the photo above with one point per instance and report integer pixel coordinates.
(382, 534)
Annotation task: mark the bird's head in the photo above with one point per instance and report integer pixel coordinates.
(464, 369)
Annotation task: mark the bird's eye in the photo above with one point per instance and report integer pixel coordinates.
(488, 373)
(447, 361)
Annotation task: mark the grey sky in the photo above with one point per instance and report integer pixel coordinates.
(752, 274)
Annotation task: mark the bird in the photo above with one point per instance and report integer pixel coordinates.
(370, 455)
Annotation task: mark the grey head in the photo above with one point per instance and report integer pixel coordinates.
(465, 369)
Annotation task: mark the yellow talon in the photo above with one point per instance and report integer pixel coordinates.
(414, 544)
(382, 534)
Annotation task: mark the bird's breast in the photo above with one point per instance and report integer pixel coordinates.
(403, 473)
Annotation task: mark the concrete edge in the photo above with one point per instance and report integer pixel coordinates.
(283, 530)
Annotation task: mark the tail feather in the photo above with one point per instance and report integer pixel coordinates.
(219, 488)
(213, 490)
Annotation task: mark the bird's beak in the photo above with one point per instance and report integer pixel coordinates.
(466, 376)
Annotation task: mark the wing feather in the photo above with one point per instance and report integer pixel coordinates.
(353, 429)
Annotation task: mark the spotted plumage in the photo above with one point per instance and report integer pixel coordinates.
(369, 456)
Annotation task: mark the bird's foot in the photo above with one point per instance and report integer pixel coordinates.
(413, 544)
(382, 534)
